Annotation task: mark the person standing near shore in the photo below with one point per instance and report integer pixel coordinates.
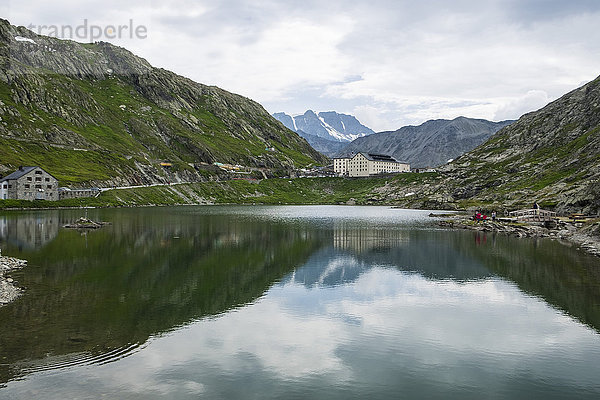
(494, 215)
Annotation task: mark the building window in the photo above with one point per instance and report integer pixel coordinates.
(38, 172)
(49, 186)
(26, 186)
(38, 179)
(29, 178)
(38, 186)
(47, 179)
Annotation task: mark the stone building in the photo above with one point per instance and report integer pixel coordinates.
(67, 193)
(30, 231)
(3, 190)
(367, 164)
(29, 183)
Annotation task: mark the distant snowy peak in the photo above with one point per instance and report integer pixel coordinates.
(286, 120)
(328, 125)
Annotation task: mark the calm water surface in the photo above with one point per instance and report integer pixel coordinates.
(293, 302)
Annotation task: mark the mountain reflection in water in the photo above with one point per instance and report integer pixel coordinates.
(96, 297)
(111, 289)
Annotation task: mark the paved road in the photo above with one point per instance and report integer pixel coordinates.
(141, 186)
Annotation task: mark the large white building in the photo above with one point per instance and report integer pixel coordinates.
(366, 164)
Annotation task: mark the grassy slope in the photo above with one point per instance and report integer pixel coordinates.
(119, 137)
(379, 190)
(123, 119)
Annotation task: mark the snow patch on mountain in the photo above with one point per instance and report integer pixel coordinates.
(328, 125)
(24, 39)
(334, 133)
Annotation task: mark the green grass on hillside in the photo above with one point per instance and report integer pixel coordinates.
(268, 191)
(67, 165)
(50, 115)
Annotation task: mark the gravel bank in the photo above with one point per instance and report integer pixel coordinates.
(8, 290)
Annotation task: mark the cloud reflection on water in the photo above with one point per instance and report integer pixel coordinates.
(440, 330)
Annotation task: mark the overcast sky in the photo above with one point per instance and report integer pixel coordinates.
(390, 63)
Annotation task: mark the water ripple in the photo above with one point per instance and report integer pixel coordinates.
(52, 363)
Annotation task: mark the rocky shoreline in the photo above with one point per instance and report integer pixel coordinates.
(8, 290)
(576, 234)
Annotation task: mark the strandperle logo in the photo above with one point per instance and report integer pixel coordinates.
(92, 32)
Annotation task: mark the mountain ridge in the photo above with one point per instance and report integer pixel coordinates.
(550, 156)
(329, 125)
(324, 146)
(431, 144)
(324, 130)
(97, 113)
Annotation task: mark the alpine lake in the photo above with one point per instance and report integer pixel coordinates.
(287, 302)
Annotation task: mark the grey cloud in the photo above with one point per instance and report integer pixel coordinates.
(541, 10)
(410, 60)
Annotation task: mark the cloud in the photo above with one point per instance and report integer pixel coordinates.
(443, 330)
(530, 101)
(414, 60)
(369, 116)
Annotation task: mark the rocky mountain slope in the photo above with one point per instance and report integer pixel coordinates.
(430, 144)
(325, 131)
(96, 113)
(551, 156)
(327, 147)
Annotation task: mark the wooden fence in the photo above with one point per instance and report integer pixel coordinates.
(533, 215)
